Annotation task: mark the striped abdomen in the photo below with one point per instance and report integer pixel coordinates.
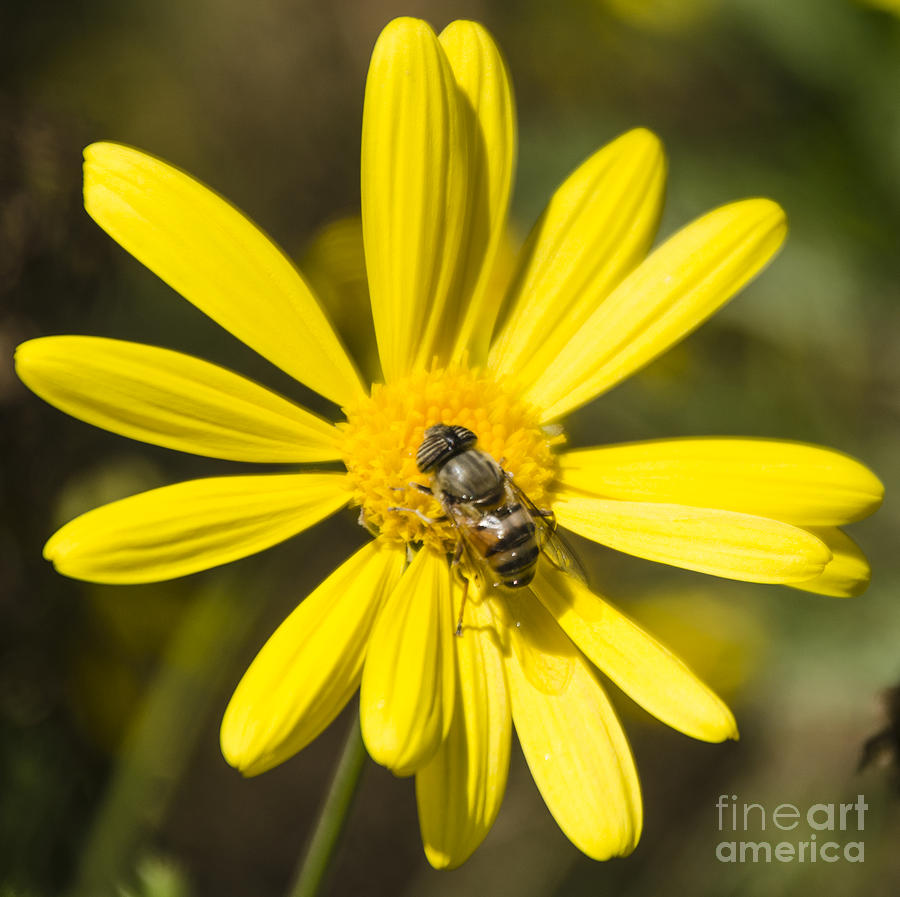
(508, 543)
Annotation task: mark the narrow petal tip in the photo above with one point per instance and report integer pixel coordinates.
(402, 29)
(101, 159)
(55, 549)
(22, 354)
(847, 575)
(646, 153)
(818, 556)
(724, 729)
(642, 139)
(869, 486)
(233, 741)
(438, 859)
(240, 739)
(764, 213)
(25, 361)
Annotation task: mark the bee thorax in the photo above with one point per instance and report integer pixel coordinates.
(471, 476)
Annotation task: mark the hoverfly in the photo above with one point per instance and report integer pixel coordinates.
(501, 531)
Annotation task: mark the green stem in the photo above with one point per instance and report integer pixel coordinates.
(333, 816)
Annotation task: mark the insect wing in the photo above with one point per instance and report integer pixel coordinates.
(549, 539)
(475, 566)
(557, 551)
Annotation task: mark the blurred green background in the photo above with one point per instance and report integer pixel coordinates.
(111, 781)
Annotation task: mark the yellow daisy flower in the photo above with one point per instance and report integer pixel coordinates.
(585, 309)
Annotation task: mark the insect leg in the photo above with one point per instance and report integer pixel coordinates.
(362, 521)
(461, 548)
(462, 606)
(420, 515)
(425, 489)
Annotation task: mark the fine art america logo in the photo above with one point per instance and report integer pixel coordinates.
(819, 832)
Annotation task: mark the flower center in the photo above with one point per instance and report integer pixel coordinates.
(383, 432)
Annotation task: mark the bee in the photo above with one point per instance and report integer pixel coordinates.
(501, 531)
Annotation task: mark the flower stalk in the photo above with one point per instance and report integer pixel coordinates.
(333, 816)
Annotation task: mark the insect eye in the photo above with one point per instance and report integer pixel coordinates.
(463, 437)
(441, 443)
(431, 452)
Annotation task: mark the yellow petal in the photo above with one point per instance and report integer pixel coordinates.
(723, 543)
(409, 683)
(460, 790)
(677, 288)
(847, 574)
(790, 481)
(597, 227)
(166, 398)
(645, 670)
(516, 610)
(577, 752)
(481, 74)
(414, 193)
(192, 526)
(218, 260)
(310, 667)
(721, 640)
